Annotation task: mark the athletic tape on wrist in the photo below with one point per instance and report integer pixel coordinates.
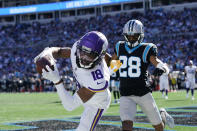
(163, 66)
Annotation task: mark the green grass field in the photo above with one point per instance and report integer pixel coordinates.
(21, 107)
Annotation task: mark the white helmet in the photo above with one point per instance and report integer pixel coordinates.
(190, 62)
(133, 32)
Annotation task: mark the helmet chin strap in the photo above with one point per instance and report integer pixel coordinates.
(87, 66)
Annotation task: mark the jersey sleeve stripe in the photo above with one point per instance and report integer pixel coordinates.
(145, 53)
(99, 90)
(96, 119)
(117, 48)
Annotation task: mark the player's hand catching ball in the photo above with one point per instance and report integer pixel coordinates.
(52, 75)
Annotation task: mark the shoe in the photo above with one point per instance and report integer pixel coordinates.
(187, 95)
(166, 118)
(166, 97)
(193, 98)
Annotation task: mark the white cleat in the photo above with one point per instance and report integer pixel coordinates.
(187, 95)
(166, 97)
(167, 118)
(193, 98)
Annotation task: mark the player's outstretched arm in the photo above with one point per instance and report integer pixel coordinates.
(54, 52)
(61, 52)
(69, 102)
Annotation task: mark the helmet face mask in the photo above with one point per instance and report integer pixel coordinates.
(86, 57)
(133, 32)
(91, 49)
(132, 38)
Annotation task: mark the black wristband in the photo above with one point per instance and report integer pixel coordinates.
(59, 82)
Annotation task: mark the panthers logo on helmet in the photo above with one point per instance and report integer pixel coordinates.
(133, 32)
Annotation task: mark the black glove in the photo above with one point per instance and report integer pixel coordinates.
(158, 72)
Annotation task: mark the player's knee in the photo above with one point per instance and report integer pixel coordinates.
(127, 125)
(159, 127)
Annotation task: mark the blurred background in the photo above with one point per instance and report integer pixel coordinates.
(28, 26)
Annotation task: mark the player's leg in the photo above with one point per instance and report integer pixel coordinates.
(118, 91)
(114, 93)
(113, 89)
(161, 88)
(173, 87)
(192, 89)
(128, 110)
(166, 89)
(118, 95)
(162, 92)
(187, 88)
(166, 97)
(89, 118)
(149, 107)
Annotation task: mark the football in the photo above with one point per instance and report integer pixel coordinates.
(42, 62)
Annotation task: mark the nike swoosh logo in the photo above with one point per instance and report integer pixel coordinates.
(98, 83)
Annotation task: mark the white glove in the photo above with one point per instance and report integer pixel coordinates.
(46, 51)
(51, 75)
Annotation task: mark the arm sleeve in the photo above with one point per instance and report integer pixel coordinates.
(116, 49)
(68, 101)
(152, 52)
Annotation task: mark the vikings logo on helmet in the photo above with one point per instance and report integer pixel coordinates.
(133, 32)
(91, 49)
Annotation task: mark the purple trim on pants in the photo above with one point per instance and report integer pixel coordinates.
(96, 119)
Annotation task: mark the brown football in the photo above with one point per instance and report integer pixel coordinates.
(42, 62)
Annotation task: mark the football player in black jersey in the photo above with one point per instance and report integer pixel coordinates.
(136, 56)
(114, 83)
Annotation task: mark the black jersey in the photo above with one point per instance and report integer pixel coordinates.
(133, 72)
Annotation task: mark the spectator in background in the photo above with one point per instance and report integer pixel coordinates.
(173, 32)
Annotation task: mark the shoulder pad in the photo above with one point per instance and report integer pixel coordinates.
(146, 50)
(118, 45)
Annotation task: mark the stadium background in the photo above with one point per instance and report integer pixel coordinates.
(28, 26)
